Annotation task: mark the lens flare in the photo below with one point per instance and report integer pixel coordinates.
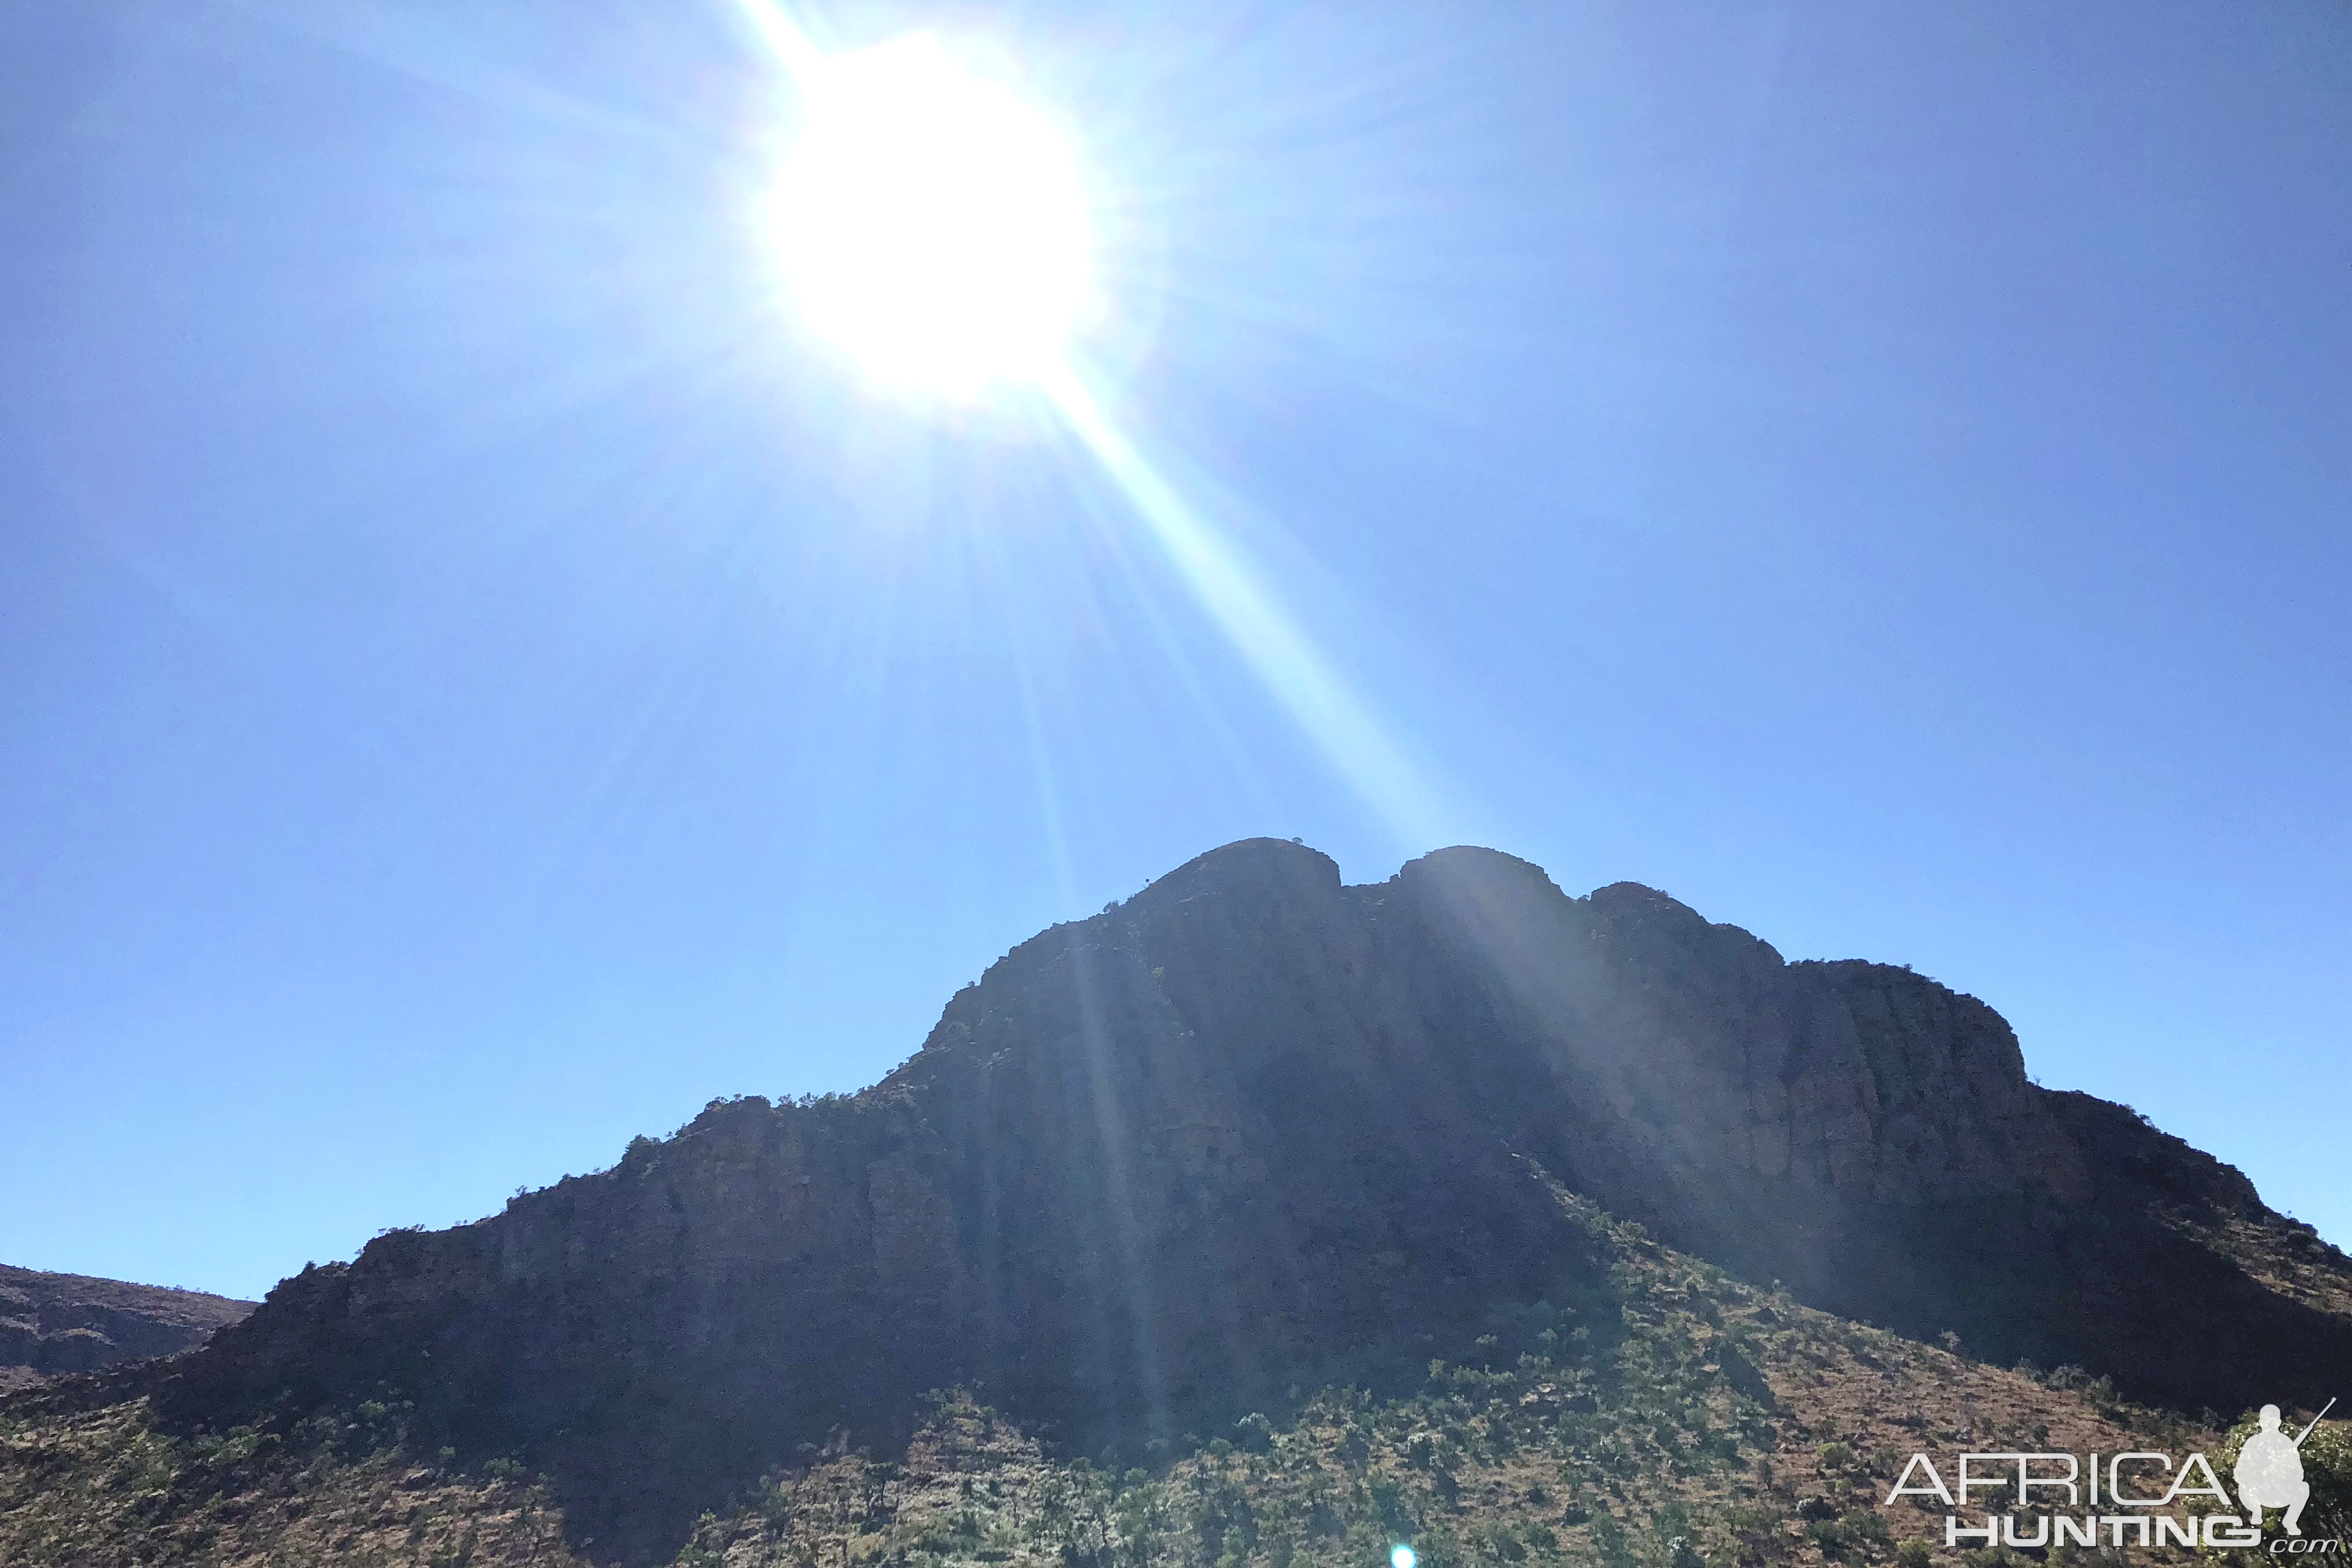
(1401, 1556)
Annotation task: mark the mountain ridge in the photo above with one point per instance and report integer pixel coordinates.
(1253, 1128)
(53, 1323)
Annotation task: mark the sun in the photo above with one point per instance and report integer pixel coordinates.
(931, 224)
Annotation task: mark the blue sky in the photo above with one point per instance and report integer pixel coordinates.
(476, 682)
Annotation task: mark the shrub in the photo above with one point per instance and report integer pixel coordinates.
(1864, 1524)
(1609, 1538)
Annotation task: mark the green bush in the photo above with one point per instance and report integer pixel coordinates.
(1608, 1540)
(1831, 1536)
(1864, 1524)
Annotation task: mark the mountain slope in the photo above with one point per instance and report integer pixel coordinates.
(52, 1323)
(1253, 1133)
(1678, 1419)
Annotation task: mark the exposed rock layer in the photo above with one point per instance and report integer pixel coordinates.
(1254, 1128)
(52, 1323)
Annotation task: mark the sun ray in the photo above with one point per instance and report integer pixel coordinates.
(779, 32)
(935, 229)
(1117, 1210)
(1278, 652)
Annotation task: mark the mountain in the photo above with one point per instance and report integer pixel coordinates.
(1677, 1418)
(52, 1323)
(1252, 1135)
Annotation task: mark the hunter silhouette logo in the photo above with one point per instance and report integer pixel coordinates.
(2270, 1471)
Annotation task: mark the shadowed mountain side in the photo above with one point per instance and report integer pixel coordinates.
(53, 1323)
(1676, 1418)
(1253, 1129)
(1871, 1137)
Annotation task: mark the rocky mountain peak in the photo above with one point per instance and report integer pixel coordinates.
(1260, 869)
(1253, 1129)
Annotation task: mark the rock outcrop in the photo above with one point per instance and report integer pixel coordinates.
(53, 1323)
(1253, 1130)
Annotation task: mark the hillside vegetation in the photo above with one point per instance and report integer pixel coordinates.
(1670, 1417)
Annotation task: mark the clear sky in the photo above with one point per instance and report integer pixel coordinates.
(477, 682)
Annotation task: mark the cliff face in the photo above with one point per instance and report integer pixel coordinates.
(1253, 1130)
(53, 1323)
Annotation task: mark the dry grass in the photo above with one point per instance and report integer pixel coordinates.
(104, 1488)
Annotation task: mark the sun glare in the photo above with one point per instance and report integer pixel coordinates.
(934, 227)
(931, 224)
